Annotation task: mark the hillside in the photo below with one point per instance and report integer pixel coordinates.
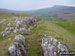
(6, 11)
(64, 13)
(62, 31)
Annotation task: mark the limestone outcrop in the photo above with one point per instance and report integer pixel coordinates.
(20, 24)
(18, 48)
(52, 47)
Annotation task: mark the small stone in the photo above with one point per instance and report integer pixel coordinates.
(18, 24)
(9, 39)
(11, 28)
(30, 28)
(15, 30)
(9, 24)
(23, 29)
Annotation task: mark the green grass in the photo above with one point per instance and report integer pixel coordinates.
(5, 44)
(49, 18)
(12, 15)
(18, 15)
(33, 41)
(5, 16)
(70, 26)
(33, 44)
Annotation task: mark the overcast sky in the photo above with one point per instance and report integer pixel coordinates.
(33, 4)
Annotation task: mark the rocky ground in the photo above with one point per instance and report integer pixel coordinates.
(30, 36)
(19, 26)
(23, 25)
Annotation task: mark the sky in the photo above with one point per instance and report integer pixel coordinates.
(25, 5)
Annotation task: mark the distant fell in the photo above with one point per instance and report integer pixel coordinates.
(64, 13)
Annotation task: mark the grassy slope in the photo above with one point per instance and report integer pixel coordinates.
(70, 26)
(33, 40)
(50, 18)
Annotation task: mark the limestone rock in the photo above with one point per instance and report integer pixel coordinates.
(20, 38)
(14, 50)
(9, 39)
(30, 28)
(23, 29)
(23, 24)
(6, 29)
(9, 24)
(11, 28)
(18, 48)
(18, 24)
(62, 47)
(51, 47)
(4, 33)
(15, 30)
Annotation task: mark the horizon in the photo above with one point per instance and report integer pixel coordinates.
(26, 5)
(37, 9)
